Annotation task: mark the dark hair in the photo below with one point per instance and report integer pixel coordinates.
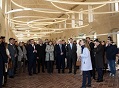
(2, 37)
(10, 39)
(70, 38)
(87, 37)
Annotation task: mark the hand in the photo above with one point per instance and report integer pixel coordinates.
(95, 46)
(106, 44)
(62, 53)
(37, 57)
(35, 51)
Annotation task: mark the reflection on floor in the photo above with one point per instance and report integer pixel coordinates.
(55, 80)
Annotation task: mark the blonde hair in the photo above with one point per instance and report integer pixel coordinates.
(86, 43)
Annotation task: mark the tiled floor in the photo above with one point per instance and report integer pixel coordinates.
(55, 80)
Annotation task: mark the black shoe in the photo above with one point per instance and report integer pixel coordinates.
(74, 73)
(99, 80)
(43, 71)
(82, 87)
(35, 73)
(88, 85)
(11, 77)
(30, 74)
(70, 72)
(63, 71)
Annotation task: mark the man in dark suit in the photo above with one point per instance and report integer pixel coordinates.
(98, 53)
(3, 60)
(41, 55)
(13, 54)
(32, 56)
(3, 45)
(60, 55)
(72, 55)
(91, 44)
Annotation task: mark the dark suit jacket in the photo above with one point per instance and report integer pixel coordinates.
(41, 50)
(99, 56)
(12, 51)
(58, 51)
(31, 55)
(72, 53)
(111, 52)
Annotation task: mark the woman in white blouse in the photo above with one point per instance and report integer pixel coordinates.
(86, 64)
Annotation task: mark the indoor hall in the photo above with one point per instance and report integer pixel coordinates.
(59, 43)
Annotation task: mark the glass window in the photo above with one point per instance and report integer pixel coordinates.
(0, 4)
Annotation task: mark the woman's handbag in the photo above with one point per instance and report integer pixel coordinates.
(78, 63)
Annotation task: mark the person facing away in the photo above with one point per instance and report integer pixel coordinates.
(21, 56)
(49, 57)
(86, 64)
(72, 55)
(32, 56)
(13, 54)
(60, 55)
(98, 54)
(41, 55)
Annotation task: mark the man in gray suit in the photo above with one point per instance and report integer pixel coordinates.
(72, 55)
(13, 54)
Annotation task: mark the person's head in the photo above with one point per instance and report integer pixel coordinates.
(20, 43)
(50, 43)
(11, 40)
(16, 43)
(103, 42)
(3, 38)
(79, 42)
(84, 42)
(0, 40)
(70, 40)
(75, 42)
(63, 42)
(46, 40)
(96, 42)
(40, 41)
(32, 41)
(88, 39)
(109, 41)
(59, 41)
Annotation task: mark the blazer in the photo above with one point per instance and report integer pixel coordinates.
(86, 64)
(12, 51)
(41, 50)
(21, 54)
(98, 53)
(49, 53)
(72, 53)
(58, 51)
(30, 54)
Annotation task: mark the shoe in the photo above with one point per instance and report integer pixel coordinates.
(82, 87)
(70, 72)
(43, 71)
(88, 85)
(99, 81)
(110, 74)
(63, 71)
(11, 77)
(74, 73)
(113, 75)
(30, 74)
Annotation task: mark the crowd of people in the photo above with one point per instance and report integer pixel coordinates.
(33, 58)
